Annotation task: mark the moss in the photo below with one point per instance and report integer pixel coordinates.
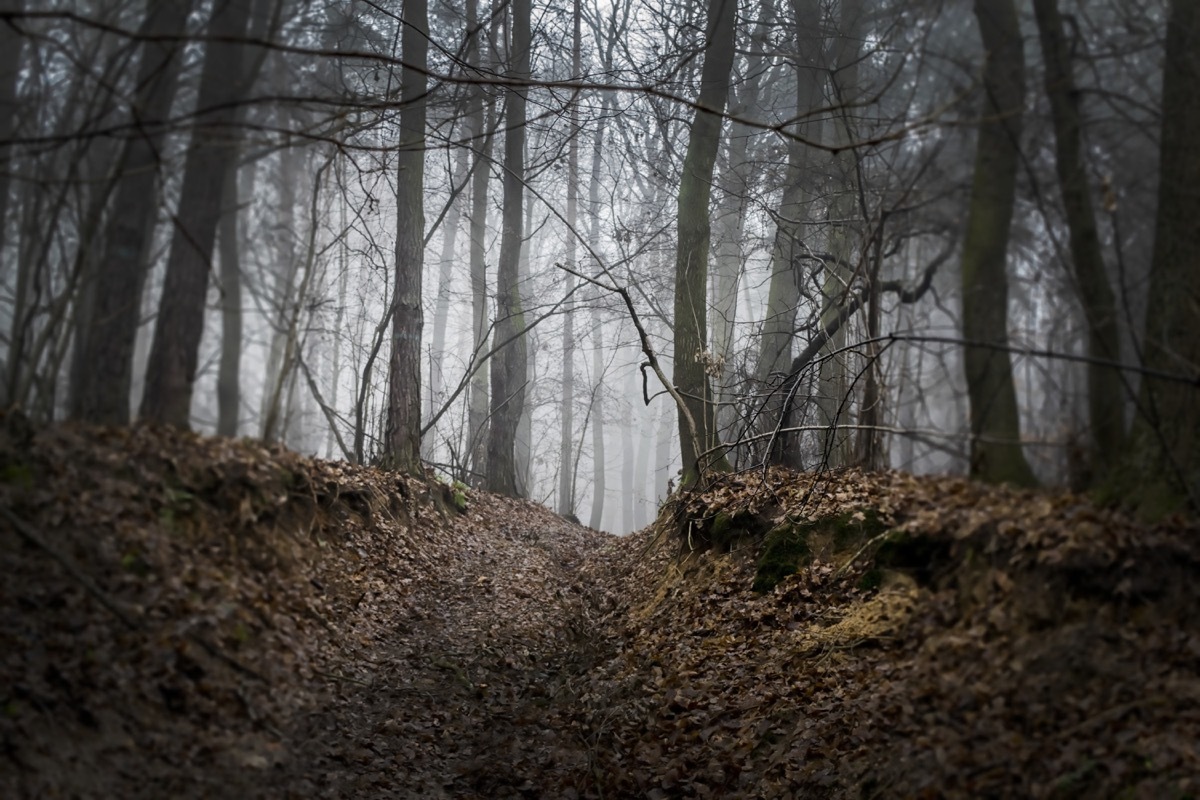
(855, 527)
(18, 474)
(871, 580)
(133, 562)
(726, 530)
(458, 498)
(790, 547)
(786, 551)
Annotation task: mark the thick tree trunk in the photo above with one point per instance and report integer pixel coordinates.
(508, 366)
(996, 454)
(845, 235)
(180, 323)
(101, 394)
(402, 437)
(692, 360)
(1162, 466)
(783, 294)
(1105, 387)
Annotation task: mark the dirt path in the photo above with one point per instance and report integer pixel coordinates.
(460, 697)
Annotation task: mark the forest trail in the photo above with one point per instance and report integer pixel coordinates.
(207, 618)
(457, 697)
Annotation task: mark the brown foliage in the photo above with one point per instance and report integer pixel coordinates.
(304, 628)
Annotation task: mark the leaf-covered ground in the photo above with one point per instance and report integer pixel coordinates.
(191, 617)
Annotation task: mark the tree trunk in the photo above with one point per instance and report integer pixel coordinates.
(599, 463)
(441, 312)
(737, 178)
(229, 371)
(102, 394)
(845, 236)
(628, 456)
(783, 297)
(996, 455)
(11, 43)
(691, 261)
(180, 323)
(1105, 387)
(481, 131)
(523, 441)
(402, 438)
(508, 367)
(1163, 463)
(291, 168)
(566, 495)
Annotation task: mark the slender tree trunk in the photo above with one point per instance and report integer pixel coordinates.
(523, 442)
(102, 394)
(481, 126)
(642, 482)
(691, 262)
(996, 454)
(599, 463)
(508, 366)
(10, 64)
(1162, 464)
(229, 371)
(566, 497)
(662, 454)
(339, 314)
(402, 440)
(291, 168)
(628, 457)
(275, 426)
(441, 313)
(1105, 388)
(180, 322)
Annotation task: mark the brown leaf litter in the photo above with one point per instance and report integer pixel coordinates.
(302, 628)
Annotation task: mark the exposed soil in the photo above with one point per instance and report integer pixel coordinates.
(191, 617)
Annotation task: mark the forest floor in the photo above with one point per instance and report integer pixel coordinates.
(191, 617)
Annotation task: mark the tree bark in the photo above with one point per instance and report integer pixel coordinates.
(481, 132)
(1105, 387)
(402, 437)
(229, 391)
(101, 394)
(566, 495)
(599, 462)
(996, 455)
(691, 262)
(1162, 465)
(508, 367)
(180, 323)
(783, 297)
(10, 64)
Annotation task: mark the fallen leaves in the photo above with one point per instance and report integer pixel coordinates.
(306, 628)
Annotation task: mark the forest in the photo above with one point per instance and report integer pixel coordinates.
(584, 254)
(338, 338)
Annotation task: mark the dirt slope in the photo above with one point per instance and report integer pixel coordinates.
(190, 617)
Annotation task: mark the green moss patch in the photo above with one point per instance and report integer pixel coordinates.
(790, 547)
